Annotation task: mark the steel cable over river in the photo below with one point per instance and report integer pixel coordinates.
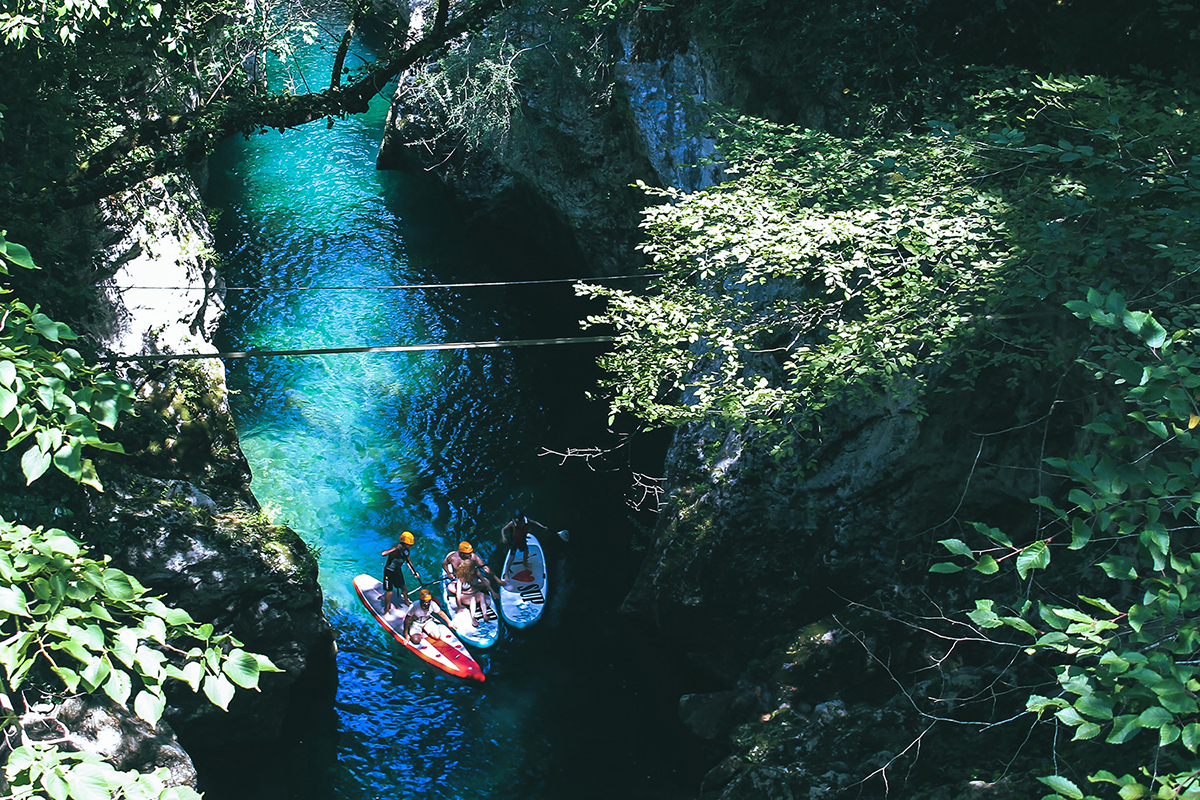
(350, 450)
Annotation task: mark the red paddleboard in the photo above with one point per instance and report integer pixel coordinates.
(449, 655)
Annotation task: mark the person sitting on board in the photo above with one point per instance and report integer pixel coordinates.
(419, 622)
(471, 578)
(516, 535)
(393, 576)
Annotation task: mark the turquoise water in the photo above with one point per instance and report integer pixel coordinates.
(352, 449)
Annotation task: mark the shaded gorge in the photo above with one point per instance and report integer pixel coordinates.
(350, 450)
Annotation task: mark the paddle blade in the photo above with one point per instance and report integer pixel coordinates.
(564, 535)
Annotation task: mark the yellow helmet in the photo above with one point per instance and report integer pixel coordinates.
(464, 548)
(407, 538)
(425, 595)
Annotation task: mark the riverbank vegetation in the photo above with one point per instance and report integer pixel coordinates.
(966, 222)
(73, 624)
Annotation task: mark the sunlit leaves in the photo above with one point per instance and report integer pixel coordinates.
(51, 402)
(39, 770)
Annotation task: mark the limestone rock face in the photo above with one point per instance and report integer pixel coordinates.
(229, 566)
(664, 94)
(94, 724)
(563, 171)
(163, 290)
(177, 512)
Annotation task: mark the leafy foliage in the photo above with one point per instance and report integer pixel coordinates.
(472, 93)
(42, 771)
(97, 629)
(70, 622)
(1126, 651)
(830, 274)
(49, 397)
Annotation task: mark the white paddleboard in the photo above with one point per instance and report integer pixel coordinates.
(523, 597)
(484, 633)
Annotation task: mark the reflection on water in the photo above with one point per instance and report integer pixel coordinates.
(352, 449)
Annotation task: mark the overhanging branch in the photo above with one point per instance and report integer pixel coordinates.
(196, 133)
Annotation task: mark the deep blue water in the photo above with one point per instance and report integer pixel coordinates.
(352, 449)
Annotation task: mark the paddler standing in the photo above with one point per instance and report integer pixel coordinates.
(515, 535)
(419, 621)
(393, 575)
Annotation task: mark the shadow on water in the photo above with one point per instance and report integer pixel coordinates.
(352, 449)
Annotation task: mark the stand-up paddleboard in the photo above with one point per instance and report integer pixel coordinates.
(449, 655)
(484, 633)
(523, 595)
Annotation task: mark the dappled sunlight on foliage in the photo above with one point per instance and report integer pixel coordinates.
(832, 273)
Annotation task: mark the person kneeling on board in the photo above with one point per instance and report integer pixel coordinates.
(515, 535)
(393, 576)
(472, 580)
(419, 621)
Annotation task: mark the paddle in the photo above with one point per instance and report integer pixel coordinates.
(564, 535)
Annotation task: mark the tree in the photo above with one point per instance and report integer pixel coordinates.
(830, 273)
(158, 85)
(1109, 588)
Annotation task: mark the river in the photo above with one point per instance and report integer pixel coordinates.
(350, 450)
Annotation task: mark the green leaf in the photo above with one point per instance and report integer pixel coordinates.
(1191, 736)
(219, 691)
(1037, 703)
(1125, 727)
(945, 567)
(96, 673)
(1174, 697)
(55, 785)
(149, 706)
(1101, 603)
(1153, 334)
(1069, 716)
(34, 464)
(118, 686)
(1063, 786)
(242, 669)
(1095, 706)
(117, 585)
(191, 674)
(1034, 556)
(89, 782)
(995, 534)
(987, 565)
(265, 664)
(1081, 534)
(957, 547)
(67, 459)
(70, 677)
(13, 601)
(1155, 717)
(1131, 790)
(16, 255)
(45, 326)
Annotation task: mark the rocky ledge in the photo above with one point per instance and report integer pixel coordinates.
(178, 512)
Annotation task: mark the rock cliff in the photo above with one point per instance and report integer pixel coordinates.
(177, 511)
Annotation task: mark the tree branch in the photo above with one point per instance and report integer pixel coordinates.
(198, 132)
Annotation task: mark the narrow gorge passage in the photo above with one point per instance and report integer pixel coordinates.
(350, 450)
